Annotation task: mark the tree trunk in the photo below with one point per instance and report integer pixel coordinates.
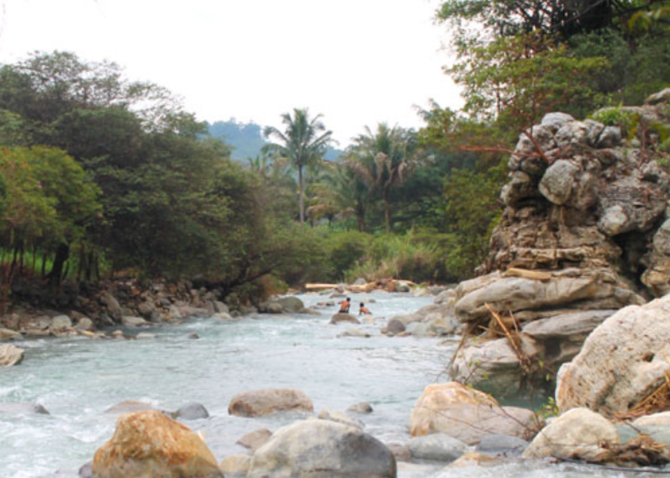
(387, 213)
(62, 255)
(302, 196)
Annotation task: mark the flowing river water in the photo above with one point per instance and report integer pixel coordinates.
(78, 379)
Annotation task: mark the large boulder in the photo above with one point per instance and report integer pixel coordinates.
(579, 433)
(149, 444)
(492, 366)
(265, 402)
(10, 355)
(467, 415)
(320, 449)
(291, 305)
(621, 363)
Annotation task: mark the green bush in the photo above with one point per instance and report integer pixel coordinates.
(616, 116)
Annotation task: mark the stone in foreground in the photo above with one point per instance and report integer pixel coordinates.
(578, 433)
(437, 447)
(322, 449)
(258, 403)
(621, 363)
(149, 444)
(467, 415)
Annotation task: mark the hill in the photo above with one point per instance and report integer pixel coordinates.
(247, 139)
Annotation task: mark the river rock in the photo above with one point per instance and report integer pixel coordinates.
(235, 466)
(61, 323)
(467, 415)
(395, 326)
(578, 433)
(85, 324)
(621, 363)
(319, 449)
(112, 305)
(130, 321)
(10, 355)
(255, 439)
(492, 366)
(23, 408)
(192, 411)
(7, 334)
(291, 305)
(149, 444)
(502, 445)
(265, 402)
(274, 308)
(130, 406)
(362, 407)
(339, 318)
(339, 417)
(436, 447)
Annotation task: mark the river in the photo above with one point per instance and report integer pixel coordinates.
(78, 379)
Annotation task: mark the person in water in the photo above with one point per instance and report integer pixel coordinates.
(344, 306)
(364, 310)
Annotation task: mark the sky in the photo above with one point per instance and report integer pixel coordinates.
(356, 62)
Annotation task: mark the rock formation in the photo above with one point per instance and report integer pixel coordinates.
(585, 232)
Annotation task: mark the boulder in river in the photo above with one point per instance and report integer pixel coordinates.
(319, 449)
(436, 447)
(468, 415)
(10, 355)
(149, 444)
(192, 411)
(621, 363)
(362, 407)
(265, 402)
(578, 433)
(339, 318)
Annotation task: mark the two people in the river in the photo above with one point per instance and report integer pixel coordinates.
(345, 305)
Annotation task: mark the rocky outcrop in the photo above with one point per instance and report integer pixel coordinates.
(467, 415)
(321, 448)
(265, 402)
(150, 444)
(586, 223)
(10, 355)
(579, 433)
(621, 363)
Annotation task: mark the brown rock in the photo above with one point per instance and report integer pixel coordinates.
(149, 444)
(10, 355)
(255, 439)
(265, 402)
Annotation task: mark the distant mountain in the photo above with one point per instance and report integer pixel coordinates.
(247, 139)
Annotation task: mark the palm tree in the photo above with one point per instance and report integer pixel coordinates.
(304, 141)
(340, 193)
(383, 160)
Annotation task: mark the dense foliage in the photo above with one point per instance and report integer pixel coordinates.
(100, 175)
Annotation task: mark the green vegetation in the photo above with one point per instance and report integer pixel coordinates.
(100, 175)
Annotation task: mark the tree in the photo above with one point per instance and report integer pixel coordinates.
(383, 160)
(340, 193)
(303, 141)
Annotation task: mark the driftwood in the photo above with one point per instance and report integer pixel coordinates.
(318, 286)
(527, 274)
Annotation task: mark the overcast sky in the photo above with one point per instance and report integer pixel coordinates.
(357, 62)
